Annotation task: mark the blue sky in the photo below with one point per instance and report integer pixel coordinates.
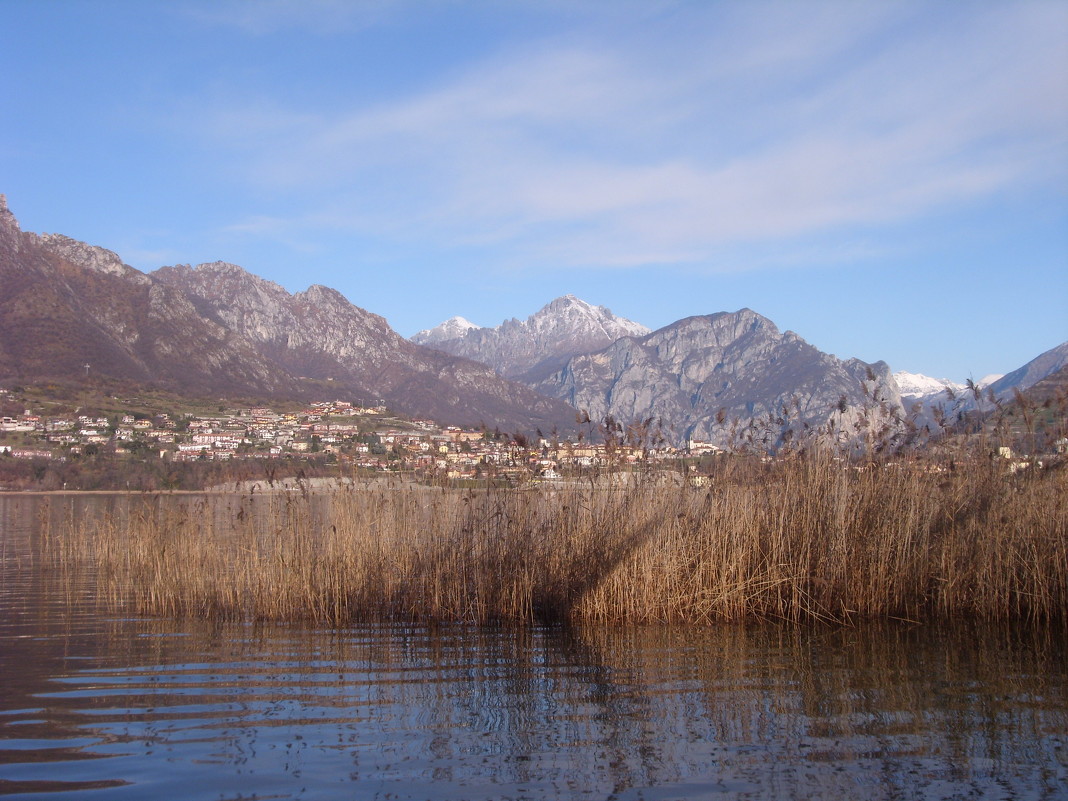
(887, 179)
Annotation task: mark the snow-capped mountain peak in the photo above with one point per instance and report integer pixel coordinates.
(453, 328)
(560, 329)
(916, 385)
(568, 313)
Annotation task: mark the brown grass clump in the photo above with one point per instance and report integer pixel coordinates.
(802, 539)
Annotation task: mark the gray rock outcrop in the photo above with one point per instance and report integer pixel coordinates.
(713, 377)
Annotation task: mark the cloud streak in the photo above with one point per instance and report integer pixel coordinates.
(665, 146)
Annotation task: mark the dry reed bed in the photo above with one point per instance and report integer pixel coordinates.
(799, 541)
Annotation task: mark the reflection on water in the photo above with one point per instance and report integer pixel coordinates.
(96, 706)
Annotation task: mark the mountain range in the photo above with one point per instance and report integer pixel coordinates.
(71, 309)
(1045, 364)
(698, 378)
(925, 393)
(704, 377)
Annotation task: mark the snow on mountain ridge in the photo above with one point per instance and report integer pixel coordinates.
(917, 385)
(560, 329)
(581, 315)
(452, 328)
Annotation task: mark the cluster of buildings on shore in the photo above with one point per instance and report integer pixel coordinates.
(356, 436)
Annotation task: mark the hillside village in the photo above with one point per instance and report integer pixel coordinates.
(66, 434)
(354, 436)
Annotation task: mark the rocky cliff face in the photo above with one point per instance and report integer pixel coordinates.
(66, 304)
(703, 376)
(90, 257)
(10, 233)
(217, 329)
(319, 334)
(288, 326)
(530, 349)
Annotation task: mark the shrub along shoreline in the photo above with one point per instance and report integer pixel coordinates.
(802, 539)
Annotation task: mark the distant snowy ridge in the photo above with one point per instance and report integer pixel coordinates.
(924, 395)
(915, 386)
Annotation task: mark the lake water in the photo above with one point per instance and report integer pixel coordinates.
(94, 705)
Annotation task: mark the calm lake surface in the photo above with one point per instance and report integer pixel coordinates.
(98, 705)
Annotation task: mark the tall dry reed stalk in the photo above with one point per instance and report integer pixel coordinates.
(799, 540)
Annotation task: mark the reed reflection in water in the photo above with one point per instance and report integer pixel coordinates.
(93, 705)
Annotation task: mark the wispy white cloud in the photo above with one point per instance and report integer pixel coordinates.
(710, 129)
